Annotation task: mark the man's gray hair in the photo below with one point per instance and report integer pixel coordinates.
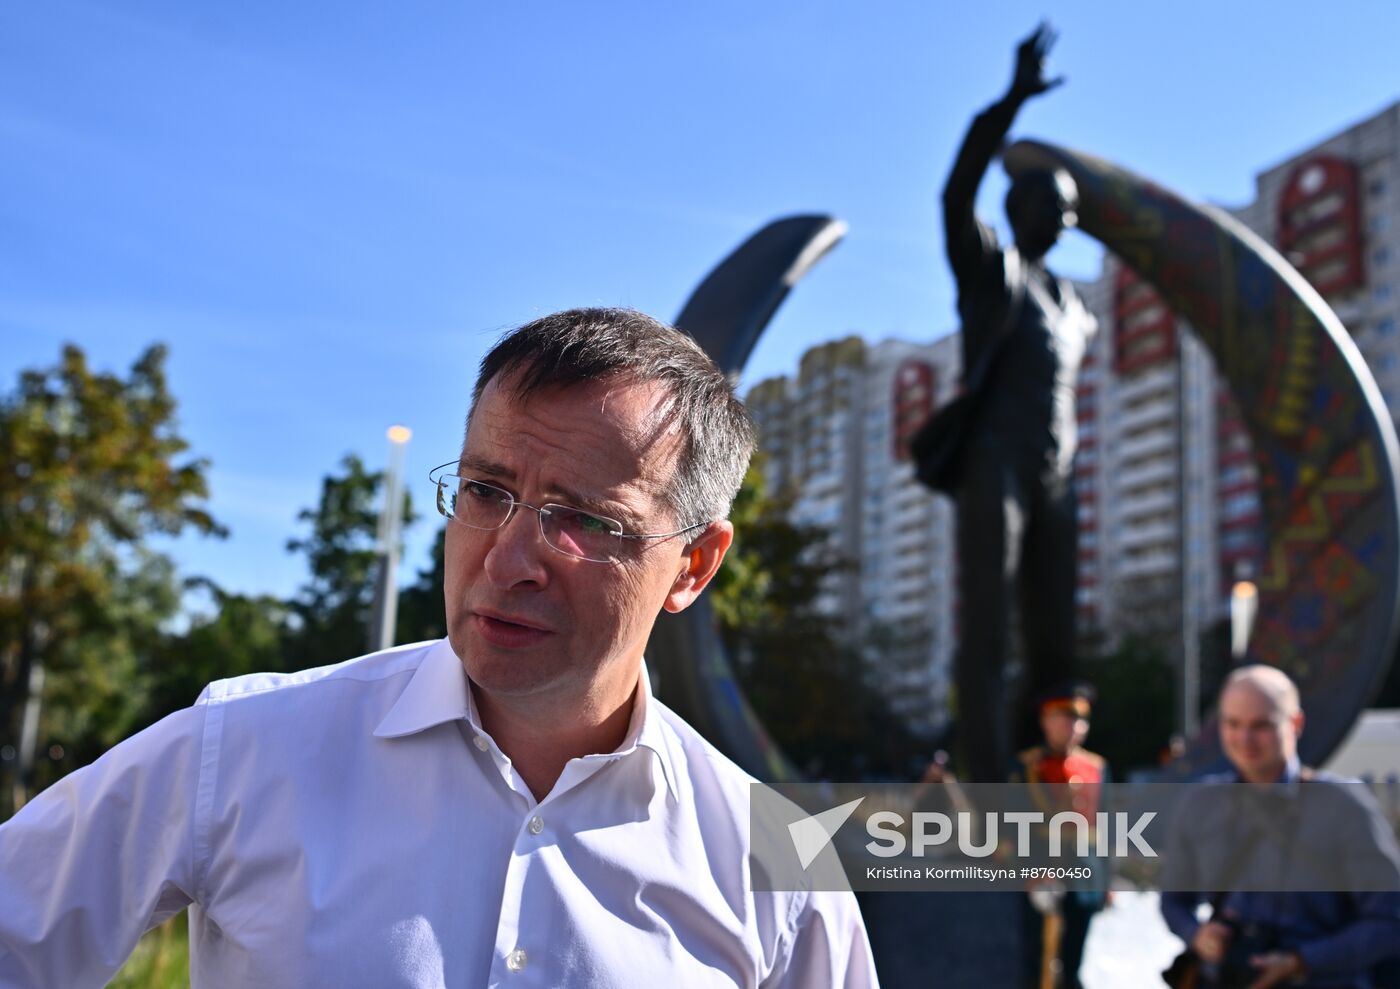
(1271, 683)
(580, 346)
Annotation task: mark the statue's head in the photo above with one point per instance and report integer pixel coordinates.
(1040, 205)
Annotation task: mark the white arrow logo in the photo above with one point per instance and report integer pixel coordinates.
(811, 834)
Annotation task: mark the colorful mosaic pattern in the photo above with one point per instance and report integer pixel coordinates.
(1323, 441)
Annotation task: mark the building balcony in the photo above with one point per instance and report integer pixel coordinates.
(1159, 412)
(1131, 507)
(906, 517)
(1148, 443)
(1154, 564)
(1143, 475)
(1137, 536)
(1134, 387)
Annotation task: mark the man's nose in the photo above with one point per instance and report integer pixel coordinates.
(518, 553)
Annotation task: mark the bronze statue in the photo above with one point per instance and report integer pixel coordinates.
(1024, 333)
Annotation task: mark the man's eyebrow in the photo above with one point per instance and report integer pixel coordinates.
(480, 465)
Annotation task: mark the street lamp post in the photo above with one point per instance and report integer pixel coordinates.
(386, 592)
(1244, 604)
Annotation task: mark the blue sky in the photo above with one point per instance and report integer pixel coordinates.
(329, 210)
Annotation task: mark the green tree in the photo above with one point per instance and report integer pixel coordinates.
(421, 612)
(96, 690)
(327, 621)
(805, 680)
(1134, 716)
(330, 615)
(775, 570)
(243, 634)
(88, 470)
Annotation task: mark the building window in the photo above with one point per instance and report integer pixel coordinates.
(1380, 256)
(1385, 327)
(1382, 293)
(1240, 504)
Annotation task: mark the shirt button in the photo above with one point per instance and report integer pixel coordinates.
(515, 961)
(481, 743)
(536, 824)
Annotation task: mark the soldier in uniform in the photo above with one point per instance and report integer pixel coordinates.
(1060, 775)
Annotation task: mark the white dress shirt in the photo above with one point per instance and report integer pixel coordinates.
(355, 826)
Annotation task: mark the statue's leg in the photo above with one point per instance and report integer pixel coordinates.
(1077, 916)
(1049, 571)
(990, 522)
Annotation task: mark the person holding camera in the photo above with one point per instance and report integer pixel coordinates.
(1309, 865)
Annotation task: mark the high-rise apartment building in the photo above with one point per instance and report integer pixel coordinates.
(838, 435)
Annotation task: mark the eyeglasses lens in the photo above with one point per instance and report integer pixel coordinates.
(569, 530)
(580, 534)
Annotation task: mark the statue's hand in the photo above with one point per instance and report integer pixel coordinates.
(1030, 64)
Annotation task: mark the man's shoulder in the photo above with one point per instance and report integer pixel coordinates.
(1333, 795)
(727, 799)
(699, 755)
(366, 672)
(1327, 779)
(1092, 759)
(719, 792)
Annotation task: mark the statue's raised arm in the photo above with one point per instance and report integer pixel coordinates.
(967, 240)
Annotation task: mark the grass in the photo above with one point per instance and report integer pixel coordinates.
(161, 959)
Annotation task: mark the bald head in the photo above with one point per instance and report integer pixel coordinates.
(1269, 682)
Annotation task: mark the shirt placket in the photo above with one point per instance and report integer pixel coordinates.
(522, 941)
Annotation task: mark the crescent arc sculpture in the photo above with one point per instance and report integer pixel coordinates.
(1323, 441)
(726, 314)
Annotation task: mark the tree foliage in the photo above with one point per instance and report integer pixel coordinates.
(241, 634)
(805, 680)
(1133, 716)
(421, 612)
(326, 622)
(91, 464)
(331, 613)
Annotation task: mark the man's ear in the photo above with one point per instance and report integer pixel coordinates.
(702, 560)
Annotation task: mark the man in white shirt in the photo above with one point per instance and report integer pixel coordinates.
(538, 821)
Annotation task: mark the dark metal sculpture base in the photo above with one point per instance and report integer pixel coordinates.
(951, 940)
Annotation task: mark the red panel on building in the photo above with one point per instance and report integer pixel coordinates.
(914, 385)
(1144, 329)
(1319, 224)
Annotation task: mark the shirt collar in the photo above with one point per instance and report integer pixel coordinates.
(644, 729)
(1292, 774)
(436, 694)
(440, 692)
